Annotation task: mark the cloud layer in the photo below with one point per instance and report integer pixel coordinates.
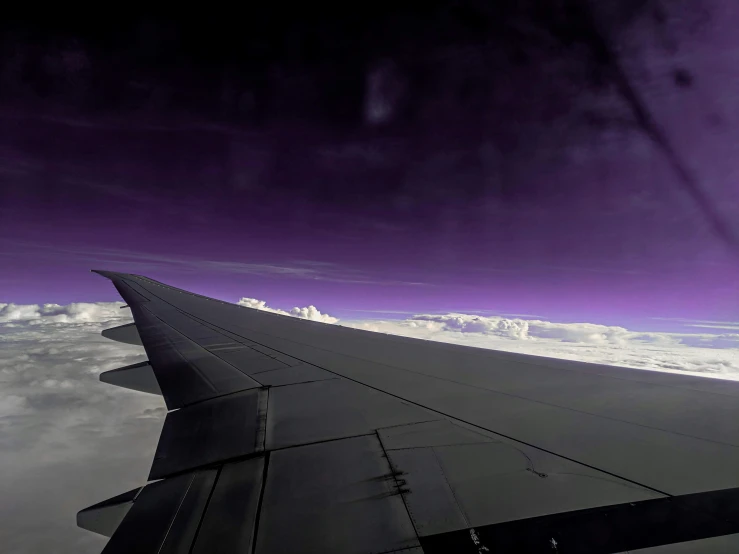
(42, 314)
(69, 441)
(705, 353)
(711, 354)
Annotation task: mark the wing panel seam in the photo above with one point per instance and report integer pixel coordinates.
(262, 490)
(453, 418)
(398, 486)
(205, 510)
(179, 507)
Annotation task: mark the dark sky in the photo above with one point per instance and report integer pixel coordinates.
(571, 159)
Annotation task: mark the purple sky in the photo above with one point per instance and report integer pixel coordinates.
(454, 166)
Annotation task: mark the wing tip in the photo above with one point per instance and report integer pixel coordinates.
(114, 274)
(103, 273)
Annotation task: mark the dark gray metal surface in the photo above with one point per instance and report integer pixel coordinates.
(138, 377)
(302, 373)
(208, 432)
(127, 334)
(251, 361)
(492, 393)
(475, 437)
(728, 544)
(497, 482)
(181, 532)
(131, 291)
(186, 372)
(331, 409)
(105, 517)
(341, 500)
(431, 501)
(625, 527)
(175, 503)
(430, 433)
(228, 524)
(460, 478)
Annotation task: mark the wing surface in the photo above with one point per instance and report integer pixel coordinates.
(287, 435)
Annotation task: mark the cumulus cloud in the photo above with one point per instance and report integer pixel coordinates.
(705, 353)
(69, 441)
(40, 314)
(310, 312)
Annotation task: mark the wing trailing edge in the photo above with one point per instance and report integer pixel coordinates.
(104, 517)
(127, 334)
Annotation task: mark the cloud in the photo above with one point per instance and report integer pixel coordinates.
(13, 405)
(311, 312)
(69, 441)
(702, 323)
(733, 326)
(707, 354)
(41, 314)
(587, 333)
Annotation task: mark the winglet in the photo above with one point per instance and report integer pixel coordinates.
(103, 273)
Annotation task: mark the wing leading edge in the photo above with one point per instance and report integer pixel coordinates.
(287, 435)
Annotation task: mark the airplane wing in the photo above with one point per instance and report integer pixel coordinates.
(287, 435)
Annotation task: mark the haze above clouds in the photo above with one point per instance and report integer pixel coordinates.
(69, 441)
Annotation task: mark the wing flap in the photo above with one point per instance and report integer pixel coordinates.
(209, 432)
(160, 507)
(333, 497)
(458, 478)
(229, 522)
(629, 527)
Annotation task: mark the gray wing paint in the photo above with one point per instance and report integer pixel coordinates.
(286, 435)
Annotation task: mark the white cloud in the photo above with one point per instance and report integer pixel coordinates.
(81, 312)
(705, 353)
(258, 305)
(708, 354)
(730, 327)
(310, 312)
